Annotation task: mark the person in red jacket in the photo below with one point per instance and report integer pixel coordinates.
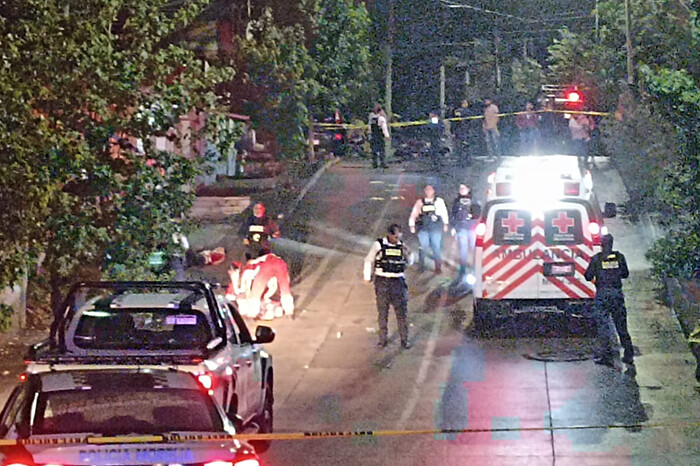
(254, 285)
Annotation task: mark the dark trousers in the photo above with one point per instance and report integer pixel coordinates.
(609, 305)
(378, 152)
(394, 292)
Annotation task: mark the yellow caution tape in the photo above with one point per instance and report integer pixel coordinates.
(194, 438)
(403, 124)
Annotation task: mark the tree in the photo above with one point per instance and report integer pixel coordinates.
(306, 70)
(80, 83)
(677, 95)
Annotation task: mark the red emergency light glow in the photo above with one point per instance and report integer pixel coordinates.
(572, 189)
(594, 230)
(245, 462)
(480, 232)
(205, 380)
(573, 96)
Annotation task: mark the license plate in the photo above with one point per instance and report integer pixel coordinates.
(559, 269)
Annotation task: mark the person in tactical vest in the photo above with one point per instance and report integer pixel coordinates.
(606, 270)
(465, 216)
(389, 257)
(429, 216)
(258, 230)
(378, 132)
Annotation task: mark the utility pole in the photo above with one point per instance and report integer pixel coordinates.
(388, 77)
(628, 33)
(597, 30)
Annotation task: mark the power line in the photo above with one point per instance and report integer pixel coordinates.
(454, 4)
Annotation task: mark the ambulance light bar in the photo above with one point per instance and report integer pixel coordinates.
(530, 190)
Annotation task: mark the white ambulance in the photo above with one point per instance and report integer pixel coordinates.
(539, 228)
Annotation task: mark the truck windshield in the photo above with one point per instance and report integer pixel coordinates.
(139, 328)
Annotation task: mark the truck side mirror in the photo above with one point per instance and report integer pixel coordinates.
(264, 334)
(610, 210)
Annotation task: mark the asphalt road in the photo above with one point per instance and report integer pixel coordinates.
(528, 381)
(530, 387)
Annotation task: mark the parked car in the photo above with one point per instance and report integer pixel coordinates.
(116, 417)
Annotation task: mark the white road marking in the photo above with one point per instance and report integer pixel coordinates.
(422, 372)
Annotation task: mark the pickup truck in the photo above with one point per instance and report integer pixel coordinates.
(184, 326)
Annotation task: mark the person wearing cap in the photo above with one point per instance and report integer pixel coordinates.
(607, 269)
(386, 261)
(429, 217)
(258, 230)
(465, 214)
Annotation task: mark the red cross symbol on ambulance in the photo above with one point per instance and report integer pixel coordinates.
(563, 222)
(512, 223)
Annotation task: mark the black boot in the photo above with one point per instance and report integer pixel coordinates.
(438, 267)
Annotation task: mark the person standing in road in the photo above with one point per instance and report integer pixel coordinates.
(258, 230)
(607, 269)
(389, 258)
(435, 133)
(529, 126)
(429, 216)
(378, 132)
(580, 127)
(464, 136)
(465, 215)
(490, 126)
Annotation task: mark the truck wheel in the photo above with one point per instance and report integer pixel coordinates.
(266, 419)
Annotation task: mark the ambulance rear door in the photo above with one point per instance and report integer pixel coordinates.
(508, 260)
(566, 239)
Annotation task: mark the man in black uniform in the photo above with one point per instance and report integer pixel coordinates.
(606, 270)
(389, 257)
(378, 132)
(259, 229)
(435, 131)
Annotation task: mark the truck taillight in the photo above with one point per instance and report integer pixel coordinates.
(206, 380)
(480, 232)
(243, 462)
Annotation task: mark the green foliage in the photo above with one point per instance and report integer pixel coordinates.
(5, 317)
(577, 59)
(75, 75)
(676, 95)
(277, 61)
(642, 146)
(527, 77)
(307, 71)
(340, 51)
(676, 255)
